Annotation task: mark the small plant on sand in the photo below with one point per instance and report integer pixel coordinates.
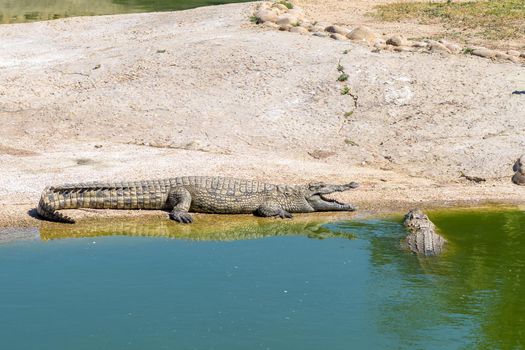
(296, 24)
(343, 77)
(345, 52)
(340, 68)
(288, 4)
(348, 114)
(468, 51)
(345, 90)
(255, 19)
(350, 142)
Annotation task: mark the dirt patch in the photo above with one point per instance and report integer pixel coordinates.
(11, 151)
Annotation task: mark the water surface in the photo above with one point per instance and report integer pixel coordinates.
(267, 284)
(17, 11)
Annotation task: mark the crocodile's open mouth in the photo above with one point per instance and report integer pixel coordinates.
(320, 202)
(330, 200)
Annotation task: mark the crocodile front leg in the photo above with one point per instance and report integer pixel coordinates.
(267, 210)
(180, 199)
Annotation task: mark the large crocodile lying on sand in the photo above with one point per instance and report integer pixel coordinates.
(203, 194)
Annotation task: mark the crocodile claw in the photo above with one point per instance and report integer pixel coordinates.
(283, 214)
(181, 216)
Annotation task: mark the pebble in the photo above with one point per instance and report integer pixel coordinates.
(299, 30)
(484, 52)
(267, 15)
(402, 49)
(437, 47)
(504, 56)
(453, 47)
(316, 28)
(280, 7)
(397, 40)
(270, 24)
(320, 34)
(362, 33)
(337, 36)
(297, 12)
(265, 5)
(420, 44)
(287, 19)
(337, 30)
(285, 28)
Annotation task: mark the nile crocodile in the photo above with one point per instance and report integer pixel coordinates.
(202, 194)
(423, 238)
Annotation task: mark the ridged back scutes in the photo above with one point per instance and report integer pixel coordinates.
(222, 183)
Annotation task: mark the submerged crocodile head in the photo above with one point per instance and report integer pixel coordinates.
(315, 196)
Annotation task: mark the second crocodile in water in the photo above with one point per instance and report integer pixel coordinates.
(201, 194)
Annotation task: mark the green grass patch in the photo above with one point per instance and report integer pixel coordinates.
(255, 19)
(492, 19)
(343, 77)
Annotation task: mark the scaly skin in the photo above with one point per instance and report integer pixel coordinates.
(202, 194)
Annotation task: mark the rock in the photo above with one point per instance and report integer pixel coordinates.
(505, 56)
(306, 24)
(380, 46)
(402, 49)
(397, 40)
(267, 15)
(337, 30)
(297, 12)
(453, 47)
(280, 7)
(437, 47)
(519, 168)
(285, 28)
(271, 25)
(299, 30)
(320, 34)
(316, 28)
(287, 19)
(321, 154)
(336, 36)
(522, 55)
(423, 239)
(420, 44)
(362, 33)
(265, 5)
(513, 53)
(484, 52)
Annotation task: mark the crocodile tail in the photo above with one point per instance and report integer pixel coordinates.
(48, 206)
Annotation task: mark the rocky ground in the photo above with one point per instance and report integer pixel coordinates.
(207, 92)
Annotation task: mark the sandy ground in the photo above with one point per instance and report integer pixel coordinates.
(352, 13)
(205, 92)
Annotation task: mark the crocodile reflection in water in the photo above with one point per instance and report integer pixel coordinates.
(209, 228)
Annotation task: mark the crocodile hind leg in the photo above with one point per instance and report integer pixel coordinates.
(180, 200)
(267, 210)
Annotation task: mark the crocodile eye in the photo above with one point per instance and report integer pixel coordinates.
(316, 185)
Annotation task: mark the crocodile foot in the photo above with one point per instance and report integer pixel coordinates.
(181, 216)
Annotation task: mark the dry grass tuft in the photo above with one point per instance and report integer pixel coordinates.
(492, 19)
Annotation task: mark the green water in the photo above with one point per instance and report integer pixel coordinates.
(16, 11)
(354, 289)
